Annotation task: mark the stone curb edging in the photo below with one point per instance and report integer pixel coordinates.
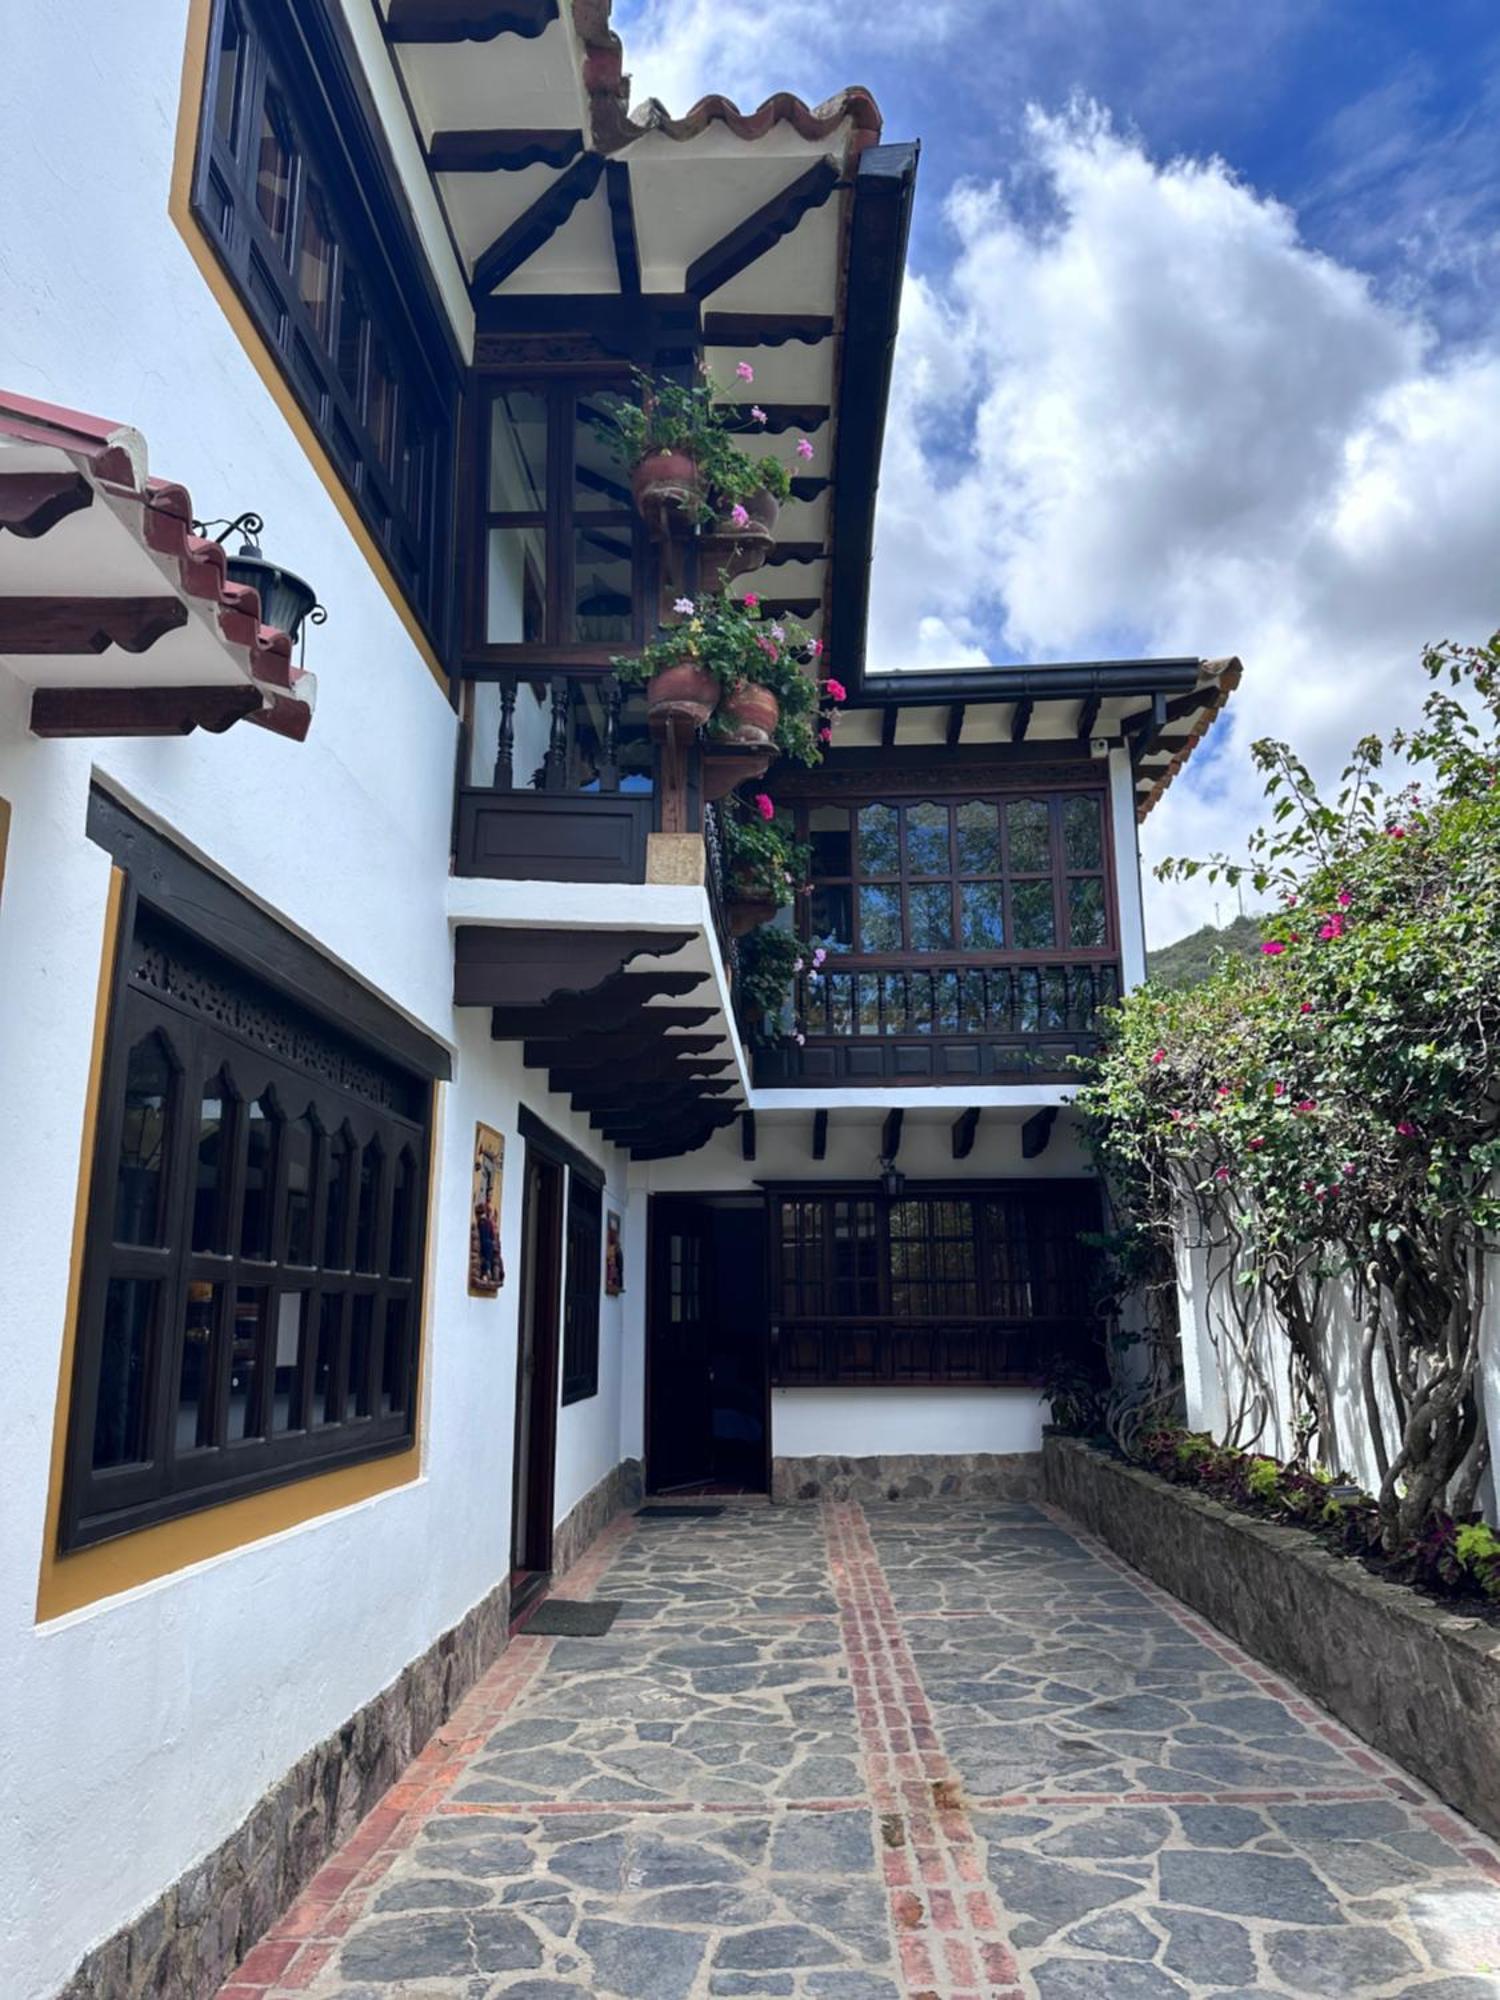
(185, 1944)
(1419, 1683)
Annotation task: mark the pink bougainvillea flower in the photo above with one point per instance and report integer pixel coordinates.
(764, 806)
(1334, 928)
(1158, 1055)
(745, 372)
(1306, 1007)
(835, 690)
(1306, 1104)
(1175, 1116)
(684, 607)
(1223, 1090)
(1396, 832)
(750, 600)
(739, 515)
(757, 414)
(1256, 1144)
(1405, 1127)
(1273, 947)
(1278, 1090)
(1221, 1173)
(1344, 899)
(804, 448)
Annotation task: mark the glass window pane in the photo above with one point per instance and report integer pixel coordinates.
(325, 1408)
(879, 841)
(403, 1207)
(215, 1113)
(603, 581)
(245, 1348)
(357, 1387)
(515, 587)
(930, 912)
(927, 850)
(370, 1166)
(273, 173)
(143, 1142)
(124, 1367)
(260, 1177)
(978, 838)
(831, 917)
(879, 918)
(518, 452)
(340, 1187)
(1033, 924)
(393, 1361)
(228, 78)
(301, 1142)
(828, 840)
(1083, 839)
(1086, 912)
(599, 480)
(983, 916)
(195, 1376)
(380, 402)
(1030, 839)
(286, 1384)
(315, 262)
(351, 335)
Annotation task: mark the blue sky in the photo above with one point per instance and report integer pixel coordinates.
(1199, 347)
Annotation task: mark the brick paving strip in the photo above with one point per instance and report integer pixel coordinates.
(931, 1752)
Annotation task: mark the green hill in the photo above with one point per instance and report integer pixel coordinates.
(1191, 958)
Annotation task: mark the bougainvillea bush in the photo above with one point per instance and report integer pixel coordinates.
(1329, 1114)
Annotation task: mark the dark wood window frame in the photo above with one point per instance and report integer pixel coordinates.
(241, 1219)
(384, 403)
(842, 1315)
(559, 520)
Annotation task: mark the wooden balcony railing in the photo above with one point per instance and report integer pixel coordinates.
(949, 1021)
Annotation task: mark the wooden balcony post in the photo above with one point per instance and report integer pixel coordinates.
(505, 742)
(609, 749)
(555, 770)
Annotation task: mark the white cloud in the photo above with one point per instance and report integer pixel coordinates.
(1187, 432)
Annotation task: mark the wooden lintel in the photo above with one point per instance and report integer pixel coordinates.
(1036, 1132)
(820, 1135)
(725, 329)
(1088, 715)
(955, 728)
(536, 226)
(1020, 719)
(496, 966)
(747, 1135)
(158, 711)
(622, 228)
(890, 1134)
(965, 1125)
(32, 625)
(506, 152)
(765, 226)
(467, 20)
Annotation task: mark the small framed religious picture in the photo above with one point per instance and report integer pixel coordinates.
(486, 1265)
(614, 1256)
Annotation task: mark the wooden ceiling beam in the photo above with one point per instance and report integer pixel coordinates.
(625, 995)
(1036, 1132)
(536, 226)
(158, 711)
(504, 152)
(1020, 719)
(750, 239)
(747, 1135)
(888, 720)
(964, 1127)
(35, 625)
(890, 1134)
(724, 329)
(1088, 715)
(622, 227)
(687, 1138)
(616, 1045)
(496, 966)
(955, 728)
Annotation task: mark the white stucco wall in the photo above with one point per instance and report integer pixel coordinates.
(863, 1423)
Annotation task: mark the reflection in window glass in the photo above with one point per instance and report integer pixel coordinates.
(831, 917)
(879, 842)
(930, 913)
(325, 1409)
(927, 851)
(518, 452)
(301, 1140)
(515, 586)
(370, 1166)
(351, 335)
(1083, 845)
(195, 1376)
(599, 480)
(357, 1389)
(1030, 841)
(212, 1161)
(336, 1222)
(315, 262)
(119, 1416)
(260, 1176)
(227, 82)
(245, 1362)
(143, 1143)
(1033, 923)
(978, 838)
(273, 174)
(403, 1198)
(983, 911)
(393, 1363)
(1086, 912)
(602, 582)
(828, 840)
(380, 403)
(286, 1383)
(879, 917)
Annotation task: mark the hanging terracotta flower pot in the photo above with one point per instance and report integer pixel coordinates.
(763, 507)
(667, 489)
(748, 715)
(686, 690)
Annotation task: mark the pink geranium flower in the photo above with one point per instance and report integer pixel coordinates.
(1307, 1104)
(745, 372)
(804, 448)
(1306, 1007)
(757, 414)
(1221, 1173)
(1334, 928)
(1278, 1090)
(1396, 832)
(815, 647)
(836, 690)
(825, 734)
(739, 515)
(764, 806)
(750, 600)
(1344, 899)
(1256, 1144)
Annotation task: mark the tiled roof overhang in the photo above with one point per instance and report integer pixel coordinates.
(775, 235)
(1160, 710)
(118, 616)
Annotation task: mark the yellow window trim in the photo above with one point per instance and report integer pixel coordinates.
(201, 250)
(70, 1582)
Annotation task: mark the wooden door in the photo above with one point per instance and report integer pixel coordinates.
(536, 1366)
(679, 1389)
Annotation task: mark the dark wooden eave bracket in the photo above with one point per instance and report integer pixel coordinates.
(496, 966)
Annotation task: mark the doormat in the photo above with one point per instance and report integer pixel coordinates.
(677, 1513)
(571, 1618)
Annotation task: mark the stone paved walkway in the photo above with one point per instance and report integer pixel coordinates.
(938, 1752)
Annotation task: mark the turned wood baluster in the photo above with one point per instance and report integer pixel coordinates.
(556, 771)
(609, 749)
(505, 742)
